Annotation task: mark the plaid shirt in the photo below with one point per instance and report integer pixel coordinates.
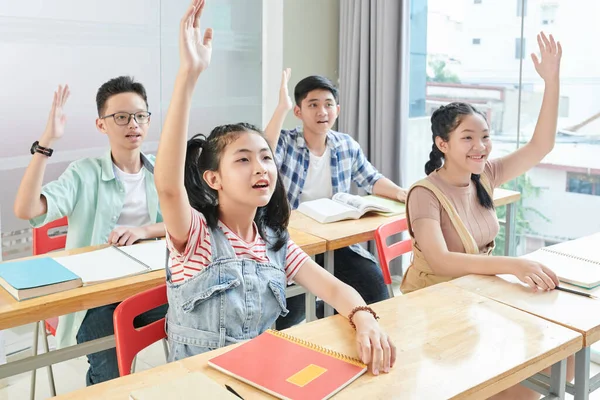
(348, 165)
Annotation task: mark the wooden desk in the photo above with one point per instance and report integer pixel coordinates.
(16, 313)
(578, 313)
(345, 233)
(451, 344)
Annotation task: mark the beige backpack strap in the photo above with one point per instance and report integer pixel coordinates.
(467, 240)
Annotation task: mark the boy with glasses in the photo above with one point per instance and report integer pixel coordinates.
(110, 199)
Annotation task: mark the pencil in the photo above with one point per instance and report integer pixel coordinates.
(591, 296)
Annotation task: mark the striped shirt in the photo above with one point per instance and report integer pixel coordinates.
(197, 253)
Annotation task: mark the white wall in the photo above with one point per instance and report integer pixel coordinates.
(84, 43)
(310, 43)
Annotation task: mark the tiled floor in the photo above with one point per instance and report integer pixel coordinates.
(70, 375)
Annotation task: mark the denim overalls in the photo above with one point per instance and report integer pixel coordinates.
(231, 300)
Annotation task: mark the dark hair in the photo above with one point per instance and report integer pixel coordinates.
(204, 154)
(443, 121)
(313, 82)
(122, 84)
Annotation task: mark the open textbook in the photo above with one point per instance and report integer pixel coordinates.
(116, 262)
(347, 206)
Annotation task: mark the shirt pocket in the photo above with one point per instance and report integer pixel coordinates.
(208, 293)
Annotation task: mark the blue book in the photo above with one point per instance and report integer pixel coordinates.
(36, 277)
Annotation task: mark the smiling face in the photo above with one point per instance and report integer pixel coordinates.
(131, 135)
(318, 111)
(247, 174)
(468, 146)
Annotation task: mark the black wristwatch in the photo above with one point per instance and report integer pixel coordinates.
(36, 148)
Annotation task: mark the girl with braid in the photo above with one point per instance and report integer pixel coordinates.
(451, 215)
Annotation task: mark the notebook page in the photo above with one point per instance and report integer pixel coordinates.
(101, 265)
(587, 247)
(152, 253)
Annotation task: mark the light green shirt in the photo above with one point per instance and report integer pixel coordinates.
(92, 198)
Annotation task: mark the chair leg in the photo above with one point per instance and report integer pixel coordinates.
(133, 364)
(390, 290)
(166, 348)
(34, 348)
(49, 367)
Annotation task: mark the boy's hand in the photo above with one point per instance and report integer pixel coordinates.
(126, 235)
(401, 195)
(285, 102)
(55, 127)
(194, 50)
(550, 52)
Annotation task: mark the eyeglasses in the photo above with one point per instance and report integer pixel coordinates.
(123, 118)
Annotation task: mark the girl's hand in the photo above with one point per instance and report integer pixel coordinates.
(551, 52)
(374, 346)
(194, 50)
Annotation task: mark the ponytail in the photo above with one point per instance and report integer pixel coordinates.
(482, 195)
(435, 160)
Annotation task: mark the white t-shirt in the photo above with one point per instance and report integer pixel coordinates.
(135, 206)
(317, 184)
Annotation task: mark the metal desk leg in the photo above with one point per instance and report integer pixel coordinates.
(509, 231)
(582, 374)
(329, 265)
(558, 379)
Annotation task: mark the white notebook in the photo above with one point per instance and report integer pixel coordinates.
(116, 262)
(576, 262)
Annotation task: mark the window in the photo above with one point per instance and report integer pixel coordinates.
(477, 41)
(519, 48)
(521, 8)
(583, 183)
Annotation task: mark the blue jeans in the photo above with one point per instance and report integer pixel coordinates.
(362, 274)
(98, 323)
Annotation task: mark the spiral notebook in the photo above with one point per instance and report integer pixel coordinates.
(289, 368)
(576, 262)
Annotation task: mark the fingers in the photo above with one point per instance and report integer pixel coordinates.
(285, 76)
(551, 274)
(559, 49)
(67, 94)
(547, 45)
(132, 239)
(208, 36)
(187, 17)
(527, 280)
(552, 45)
(392, 352)
(124, 238)
(364, 344)
(536, 61)
(540, 43)
(387, 354)
(539, 282)
(377, 361)
(547, 280)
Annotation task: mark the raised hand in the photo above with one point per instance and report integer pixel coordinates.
(55, 127)
(195, 50)
(285, 101)
(550, 52)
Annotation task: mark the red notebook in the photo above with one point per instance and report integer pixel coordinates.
(289, 368)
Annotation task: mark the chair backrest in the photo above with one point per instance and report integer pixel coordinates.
(131, 340)
(389, 252)
(42, 243)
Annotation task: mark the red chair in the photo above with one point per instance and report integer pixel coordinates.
(389, 252)
(130, 340)
(42, 244)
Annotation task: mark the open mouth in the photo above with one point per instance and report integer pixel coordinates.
(261, 185)
(477, 158)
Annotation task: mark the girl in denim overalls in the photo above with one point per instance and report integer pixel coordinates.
(226, 214)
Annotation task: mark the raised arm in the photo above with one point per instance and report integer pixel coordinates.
(194, 56)
(542, 141)
(273, 128)
(29, 202)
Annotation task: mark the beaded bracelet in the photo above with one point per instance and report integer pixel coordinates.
(360, 308)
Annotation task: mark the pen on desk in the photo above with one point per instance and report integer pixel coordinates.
(233, 391)
(591, 296)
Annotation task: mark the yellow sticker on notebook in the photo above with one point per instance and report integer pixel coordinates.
(306, 375)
